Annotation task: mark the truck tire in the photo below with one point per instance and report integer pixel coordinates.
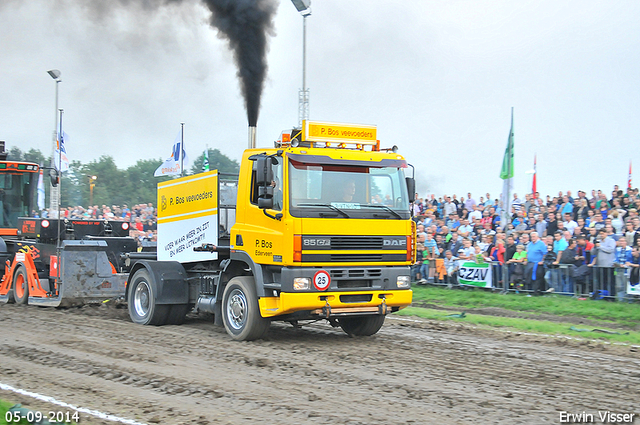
(20, 286)
(362, 325)
(177, 314)
(141, 301)
(240, 310)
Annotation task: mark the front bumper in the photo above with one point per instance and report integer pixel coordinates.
(334, 303)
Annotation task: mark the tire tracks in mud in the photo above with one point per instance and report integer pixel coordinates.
(405, 374)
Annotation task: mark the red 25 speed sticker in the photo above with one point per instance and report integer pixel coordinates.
(321, 280)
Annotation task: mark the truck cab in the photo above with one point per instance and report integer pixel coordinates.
(330, 230)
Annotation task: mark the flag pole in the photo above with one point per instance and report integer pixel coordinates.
(508, 197)
(59, 194)
(182, 150)
(534, 184)
(507, 174)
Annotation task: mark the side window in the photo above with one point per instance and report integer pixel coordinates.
(277, 185)
(381, 189)
(253, 193)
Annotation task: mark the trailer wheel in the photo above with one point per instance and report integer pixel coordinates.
(141, 299)
(362, 325)
(240, 311)
(20, 286)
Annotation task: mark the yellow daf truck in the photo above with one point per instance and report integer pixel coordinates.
(316, 228)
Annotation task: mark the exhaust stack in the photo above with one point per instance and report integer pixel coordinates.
(252, 137)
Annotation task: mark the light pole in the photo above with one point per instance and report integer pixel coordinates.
(55, 190)
(304, 7)
(92, 184)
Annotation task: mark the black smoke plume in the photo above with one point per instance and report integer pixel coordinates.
(246, 24)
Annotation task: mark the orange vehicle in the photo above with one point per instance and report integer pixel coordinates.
(41, 258)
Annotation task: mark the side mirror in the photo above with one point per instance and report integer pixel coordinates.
(264, 172)
(264, 177)
(411, 188)
(53, 175)
(265, 197)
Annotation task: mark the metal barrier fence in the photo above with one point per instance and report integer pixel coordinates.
(565, 279)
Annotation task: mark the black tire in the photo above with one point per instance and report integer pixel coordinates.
(240, 310)
(20, 286)
(177, 314)
(362, 325)
(141, 300)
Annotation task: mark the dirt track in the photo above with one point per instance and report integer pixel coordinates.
(410, 372)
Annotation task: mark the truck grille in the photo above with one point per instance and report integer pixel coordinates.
(356, 242)
(344, 258)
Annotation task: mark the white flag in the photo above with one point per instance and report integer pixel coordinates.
(41, 191)
(61, 152)
(171, 166)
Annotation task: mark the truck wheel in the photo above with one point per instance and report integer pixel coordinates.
(240, 311)
(20, 286)
(177, 314)
(362, 325)
(141, 299)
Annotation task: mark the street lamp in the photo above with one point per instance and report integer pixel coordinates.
(53, 194)
(92, 184)
(304, 7)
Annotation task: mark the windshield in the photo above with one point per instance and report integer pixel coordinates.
(15, 197)
(347, 191)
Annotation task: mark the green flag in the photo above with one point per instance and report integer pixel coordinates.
(205, 163)
(507, 163)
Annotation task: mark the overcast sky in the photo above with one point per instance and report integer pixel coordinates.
(438, 78)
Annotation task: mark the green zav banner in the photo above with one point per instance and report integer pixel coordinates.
(476, 274)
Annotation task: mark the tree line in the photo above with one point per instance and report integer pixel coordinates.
(114, 186)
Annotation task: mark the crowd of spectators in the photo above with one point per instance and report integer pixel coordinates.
(142, 217)
(538, 234)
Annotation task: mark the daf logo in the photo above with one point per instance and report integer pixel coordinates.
(395, 242)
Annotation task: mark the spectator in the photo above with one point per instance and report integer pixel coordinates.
(475, 214)
(552, 224)
(415, 268)
(469, 203)
(622, 253)
(431, 252)
(451, 268)
(465, 230)
(569, 223)
(535, 254)
(449, 207)
(559, 244)
(466, 253)
(455, 243)
(634, 266)
(516, 203)
(568, 259)
(631, 235)
(604, 260)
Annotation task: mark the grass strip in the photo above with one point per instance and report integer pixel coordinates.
(4, 408)
(524, 325)
(625, 314)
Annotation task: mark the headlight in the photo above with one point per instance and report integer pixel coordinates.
(301, 283)
(403, 281)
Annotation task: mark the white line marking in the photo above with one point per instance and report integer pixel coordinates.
(70, 406)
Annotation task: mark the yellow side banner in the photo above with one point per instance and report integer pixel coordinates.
(336, 132)
(188, 197)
